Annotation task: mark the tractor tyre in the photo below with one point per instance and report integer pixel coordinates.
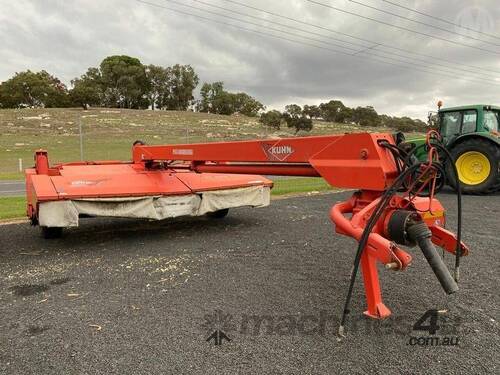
(220, 214)
(51, 232)
(477, 163)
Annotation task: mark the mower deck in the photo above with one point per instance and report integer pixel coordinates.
(117, 189)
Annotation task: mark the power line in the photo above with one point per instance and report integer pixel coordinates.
(355, 37)
(420, 22)
(356, 51)
(403, 28)
(258, 25)
(304, 43)
(384, 58)
(256, 18)
(440, 19)
(364, 47)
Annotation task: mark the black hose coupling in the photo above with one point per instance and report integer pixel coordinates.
(421, 234)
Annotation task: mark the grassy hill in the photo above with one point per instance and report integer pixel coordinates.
(109, 133)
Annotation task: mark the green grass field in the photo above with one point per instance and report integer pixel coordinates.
(12, 207)
(299, 185)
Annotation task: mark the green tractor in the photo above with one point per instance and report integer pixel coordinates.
(471, 134)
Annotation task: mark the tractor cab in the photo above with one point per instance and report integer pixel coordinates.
(456, 122)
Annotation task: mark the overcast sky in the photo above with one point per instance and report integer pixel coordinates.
(65, 37)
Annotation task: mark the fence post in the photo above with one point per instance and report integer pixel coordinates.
(81, 137)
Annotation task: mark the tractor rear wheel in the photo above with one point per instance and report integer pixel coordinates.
(51, 232)
(477, 166)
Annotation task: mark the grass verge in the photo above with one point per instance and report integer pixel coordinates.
(299, 185)
(16, 176)
(12, 207)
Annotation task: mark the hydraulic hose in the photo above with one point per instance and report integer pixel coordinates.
(421, 234)
(411, 155)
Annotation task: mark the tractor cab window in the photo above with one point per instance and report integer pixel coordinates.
(450, 123)
(469, 121)
(491, 120)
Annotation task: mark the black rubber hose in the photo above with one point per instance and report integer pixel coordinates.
(421, 234)
(458, 250)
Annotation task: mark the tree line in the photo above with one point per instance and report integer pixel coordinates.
(301, 118)
(124, 82)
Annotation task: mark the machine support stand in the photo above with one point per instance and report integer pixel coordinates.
(376, 308)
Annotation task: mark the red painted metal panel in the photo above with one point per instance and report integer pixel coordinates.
(217, 181)
(43, 187)
(357, 161)
(289, 150)
(350, 160)
(108, 183)
(124, 180)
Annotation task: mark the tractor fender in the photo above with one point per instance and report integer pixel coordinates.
(495, 141)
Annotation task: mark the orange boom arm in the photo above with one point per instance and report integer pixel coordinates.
(347, 161)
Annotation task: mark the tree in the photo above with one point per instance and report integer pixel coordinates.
(214, 99)
(333, 111)
(298, 123)
(56, 94)
(208, 93)
(312, 111)
(157, 77)
(366, 116)
(2, 99)
(293, 110)
(182, 80)
(124, 81)
(246, 105)
(345, 115)
(295, 118)
(223, 103)
(272, 119)
(30, 89)
(87, 90)
(403, 124)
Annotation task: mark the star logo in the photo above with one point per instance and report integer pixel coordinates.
(216, 324)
